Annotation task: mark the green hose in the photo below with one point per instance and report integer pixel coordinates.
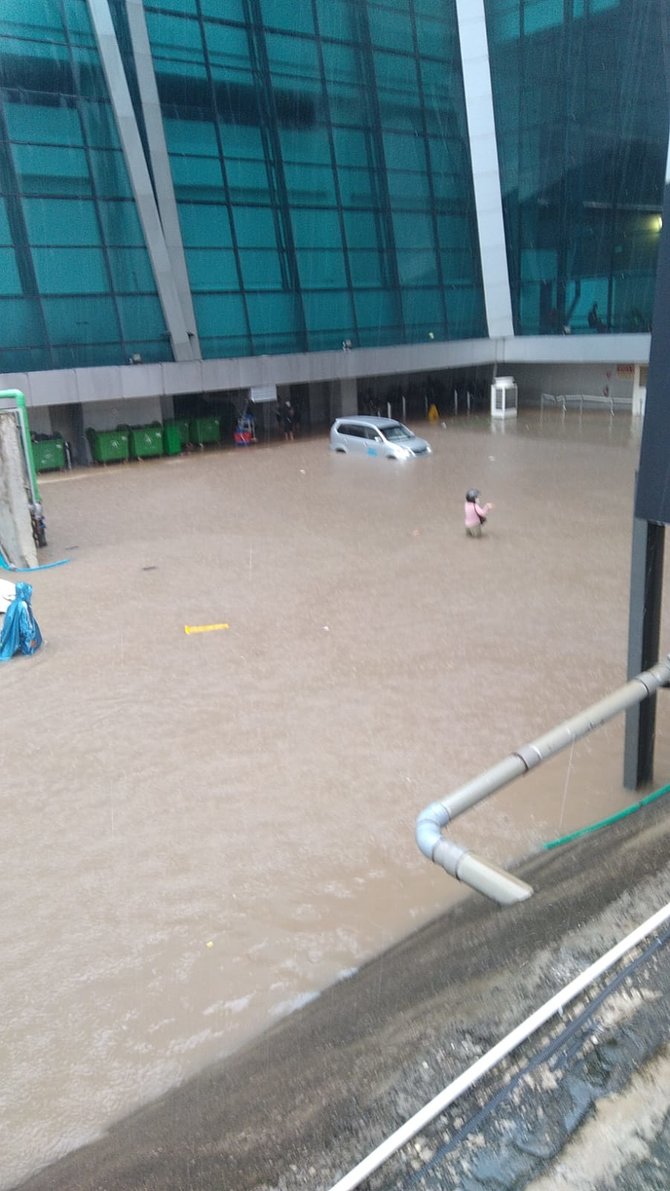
(629, 810)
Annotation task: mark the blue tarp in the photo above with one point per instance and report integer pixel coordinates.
(20, 630)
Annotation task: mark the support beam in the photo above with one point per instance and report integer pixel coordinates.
(140, 180)
(644, 634)
(160, 162)
(485, 166)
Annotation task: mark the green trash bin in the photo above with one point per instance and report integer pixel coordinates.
(205, 430)
(49, 454)
(172, 443)
(145, 442)
(108, 446)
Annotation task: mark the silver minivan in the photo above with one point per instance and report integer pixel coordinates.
(376, 436)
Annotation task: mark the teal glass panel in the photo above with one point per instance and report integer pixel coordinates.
(248, 181)
(21, 323)
(337, 19)
(362, 229)
(70, 270)
(204, 225)
(182, 7)
(274, 314)
(177, 39)
(437, 39)
(396, 72)
(243, 141)
(232, 10)
(321, 269)
(79, 320)
(255, 227)
(422, 308)
(261, 269)
(229, 55)
(541, 14)
(377, 308)
(191, 138)
(5, 230)
(416, 267)
(317, 229)
(366, 269)
(43, 124)
(78, 22)
(286, 14)
(120, 223)
(329, 310)
(352, 146)
(465, 312)
(44, 169)
(197, 177)
(392, 30)
(10, 282)
(409, 190)
(406, 152)
(308, 145)
(140, 314)
(358, 188)
(457, 264)
(109, 173)
(98, 121)
(131, 271)
(220, 315)
(61, 221)
(40, 19)
(293, 62)
(413, 231)
(212, 269)
(310, 184)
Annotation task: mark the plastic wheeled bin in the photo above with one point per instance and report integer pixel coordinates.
(172, 443)
(145, 442)
(205, 430)
(49, 454)
(108, 446)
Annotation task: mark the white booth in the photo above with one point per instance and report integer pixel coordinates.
(504, 397)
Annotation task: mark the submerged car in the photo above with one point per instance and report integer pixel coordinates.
(376, 436)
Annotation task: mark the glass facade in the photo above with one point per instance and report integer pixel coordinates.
(76, 287)
(581, 102)
(321, 167)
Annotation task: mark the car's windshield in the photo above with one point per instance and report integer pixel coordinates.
(395, 432)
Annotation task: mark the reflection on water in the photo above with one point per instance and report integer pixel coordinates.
(203, 831)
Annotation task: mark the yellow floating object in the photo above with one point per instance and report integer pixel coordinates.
(204, 628)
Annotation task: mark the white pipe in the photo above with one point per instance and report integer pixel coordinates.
(500, 1051)
(477, 872)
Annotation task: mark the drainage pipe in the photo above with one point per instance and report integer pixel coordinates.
(477, 872)
(510, 1042)
(19, 400)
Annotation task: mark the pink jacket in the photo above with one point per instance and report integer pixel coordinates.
(474, 512)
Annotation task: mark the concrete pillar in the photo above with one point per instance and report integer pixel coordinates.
(16, 533)
(344, 397)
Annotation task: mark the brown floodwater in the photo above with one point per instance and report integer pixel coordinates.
(202, 831)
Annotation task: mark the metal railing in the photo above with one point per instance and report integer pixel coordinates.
(481, 874)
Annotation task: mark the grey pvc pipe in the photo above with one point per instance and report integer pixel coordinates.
(481, 874)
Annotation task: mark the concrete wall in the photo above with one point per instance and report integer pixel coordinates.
(593, 380)
(16, 535)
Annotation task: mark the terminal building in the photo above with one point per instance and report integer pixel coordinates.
(354, 203)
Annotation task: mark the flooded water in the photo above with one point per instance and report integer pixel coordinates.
(204, 830)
